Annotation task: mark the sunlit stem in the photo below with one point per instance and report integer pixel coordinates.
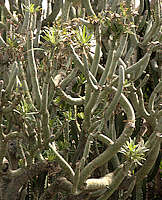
(117, 55)
(108, 153)
(67, 168)
(33, 68)
(87, 75)
(116, 181)
(65, 10)
(71, 100)
(76, 179)
(137, 69)
(86, 151)
(96, 59)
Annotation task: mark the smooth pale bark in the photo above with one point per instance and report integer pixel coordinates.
(58, 108)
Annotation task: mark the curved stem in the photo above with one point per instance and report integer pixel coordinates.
(155, 27)
(71, 100)
(113, 149)
(148, 164)
(105, 139)
(63, 162)
(80, 64)
(116, 181)
(157, 89)
(137, 69)
(116, 99)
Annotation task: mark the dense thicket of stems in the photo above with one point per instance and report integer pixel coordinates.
(80, 98)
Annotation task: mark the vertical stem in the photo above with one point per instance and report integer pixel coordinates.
(25, 85)
(88, 7)
(109, 61)
(112, 134)
(2, 144)
(114, 4)
(139, 192)
(33, 68)
(26, 19)
(12, 78)
(117, 55)
(96, 59)
(141, 7)
(65, 10)
(44, 110)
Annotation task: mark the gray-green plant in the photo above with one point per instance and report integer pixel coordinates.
(80, 99)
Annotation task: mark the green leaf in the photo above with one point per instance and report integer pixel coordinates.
(83, 35)
(134, 152)
(81, 115)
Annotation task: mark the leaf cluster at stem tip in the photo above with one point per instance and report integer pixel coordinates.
(134, 152)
